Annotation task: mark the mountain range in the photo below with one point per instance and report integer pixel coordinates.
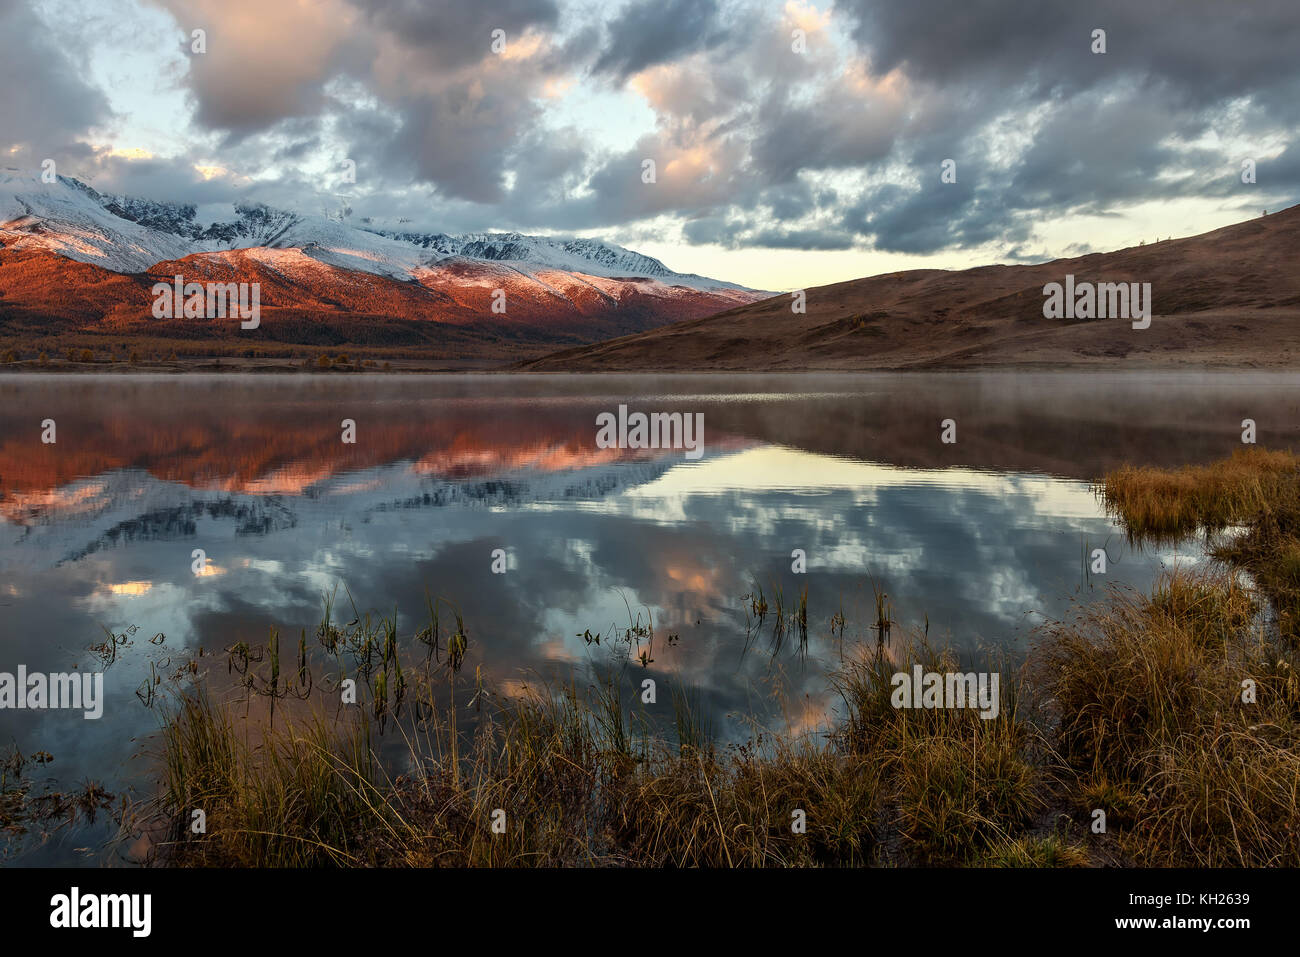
(77, 267)
(77, 262)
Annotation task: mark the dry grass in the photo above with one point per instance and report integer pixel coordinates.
(584, 780)
(293, 799)
(1157, 504)
(1146, 699)
(1256, 489)
(1134, 707)
(572, 795)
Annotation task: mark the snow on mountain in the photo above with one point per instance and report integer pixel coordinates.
(127, 235)
(69, 219)
(589, 256)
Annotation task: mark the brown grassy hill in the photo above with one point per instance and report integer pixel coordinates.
(1230, 297)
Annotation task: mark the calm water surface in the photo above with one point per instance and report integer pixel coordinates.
(983, 538)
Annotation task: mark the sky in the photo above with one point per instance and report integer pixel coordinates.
(795, 142)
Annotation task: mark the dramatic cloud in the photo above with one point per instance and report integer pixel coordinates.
(1207, 50)
(451, 34)
(771, 124)
(649, 32)
(46, 105)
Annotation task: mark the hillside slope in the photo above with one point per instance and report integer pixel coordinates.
(1230, 297)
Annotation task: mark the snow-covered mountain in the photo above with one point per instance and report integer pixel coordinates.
(128, 235)
(77, 262)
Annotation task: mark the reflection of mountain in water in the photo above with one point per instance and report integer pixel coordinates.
(590, 483)
(249, 518)
(129, 506)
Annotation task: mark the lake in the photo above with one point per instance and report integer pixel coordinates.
(493, 492)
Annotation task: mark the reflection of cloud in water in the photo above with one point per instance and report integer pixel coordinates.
(776, 468)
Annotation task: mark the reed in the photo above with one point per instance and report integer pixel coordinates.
(1248, 506)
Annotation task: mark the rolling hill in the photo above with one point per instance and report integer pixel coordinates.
(1230, 297)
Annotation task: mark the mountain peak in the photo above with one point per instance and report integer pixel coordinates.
(130, 234)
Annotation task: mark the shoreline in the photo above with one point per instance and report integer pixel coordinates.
(471, 367)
